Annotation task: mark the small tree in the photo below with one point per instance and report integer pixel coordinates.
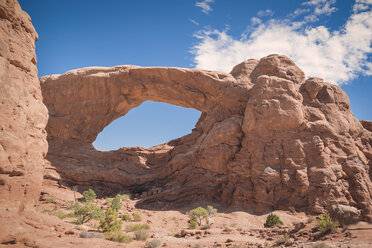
(111, 221)
(272, 220)
(198, 214)
(116, 203)
(211, 213)
(89, 195)
(86, 211)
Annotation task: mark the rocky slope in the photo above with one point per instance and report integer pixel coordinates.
(267, 137)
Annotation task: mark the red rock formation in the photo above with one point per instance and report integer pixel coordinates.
(267, 138)
(23, 118)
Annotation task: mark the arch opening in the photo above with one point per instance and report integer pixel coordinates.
(152, 123)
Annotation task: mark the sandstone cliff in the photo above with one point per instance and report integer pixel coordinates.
(23, 118)
(267, 137)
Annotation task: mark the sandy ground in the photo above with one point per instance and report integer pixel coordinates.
(231, 227)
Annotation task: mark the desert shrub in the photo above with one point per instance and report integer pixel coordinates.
(125, 197)
(49, 200)
(118, 237)
(91, 235)
(89, 195)
(272, 220)
(320, 245)
(325, 224)
(193, 224)
(86, 211)
(116, 202)
(141, 235)
(283, 240)
(126, 217)
(137, 216)
(136, 227)
(108, 201)
(110, 222)
(58, 214)
(155, 243)
(198, 214)
(62, 215)
(211, 210)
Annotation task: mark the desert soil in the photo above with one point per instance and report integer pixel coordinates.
(231, 227)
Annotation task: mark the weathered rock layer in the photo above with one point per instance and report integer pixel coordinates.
(267, 138)
(23, 118)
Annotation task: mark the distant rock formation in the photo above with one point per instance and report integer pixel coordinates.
(23, 118)
(267, 137)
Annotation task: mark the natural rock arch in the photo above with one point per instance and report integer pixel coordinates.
(267, 138)
(105, 94)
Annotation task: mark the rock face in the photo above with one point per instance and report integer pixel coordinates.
(267, 138)
(23, 118)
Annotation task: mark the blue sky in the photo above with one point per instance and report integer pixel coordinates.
(326, 38)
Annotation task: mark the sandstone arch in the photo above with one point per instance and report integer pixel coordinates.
(267, 137)
(105, 94)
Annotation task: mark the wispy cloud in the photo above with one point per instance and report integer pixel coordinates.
(193, 21)
(205, 5)
(267, 12)
(337, 56)
(320, 7)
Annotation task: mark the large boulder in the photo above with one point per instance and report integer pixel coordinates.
(345, 215)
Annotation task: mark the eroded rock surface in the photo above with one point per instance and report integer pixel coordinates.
(23, 118)
(267, 138)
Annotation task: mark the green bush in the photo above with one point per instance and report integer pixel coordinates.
(193, 224)
(141, 235)
(89, 195)
(116, 202)
(136, 227)
(152, 244)
(111, 221)
(126, 217)
(198, 214)
(272, 220)
(49, 200)
(125, 197)
(86, 211)
(108, 201)
(118, 237)
(325, 224)
(137, 216)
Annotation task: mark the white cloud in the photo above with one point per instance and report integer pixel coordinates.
(193, 21)
(267, 12)
(205, 6)
(337, 56)
(320, 7)
(255, 21)
(362, 5)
